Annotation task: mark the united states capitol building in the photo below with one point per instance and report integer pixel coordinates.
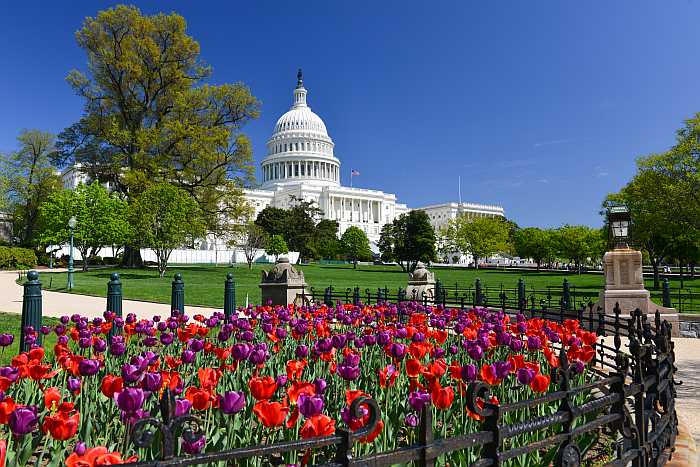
(301, 163)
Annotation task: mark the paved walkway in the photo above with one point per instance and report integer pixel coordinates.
(58, 304)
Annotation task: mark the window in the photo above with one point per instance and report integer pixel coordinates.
(296, 170)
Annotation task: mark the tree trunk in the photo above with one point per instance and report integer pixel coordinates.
(680, 271)
(655, 267)
(354, 264)
(132, 257)
(538, 266)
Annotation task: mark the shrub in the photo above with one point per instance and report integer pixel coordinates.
(14, 258)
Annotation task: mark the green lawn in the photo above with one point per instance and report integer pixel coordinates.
(204, 284)
(10, 323)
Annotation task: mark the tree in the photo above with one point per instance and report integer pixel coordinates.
(252, 239)
(276, 246)
(535, 243)
(300, 225)
(482, 236)
(151, 117)
(272, 220)
(29, 178)
(407, 240)
(355, 245)
(164, 217)
(578, 243)
(325, 239)
(101, 219)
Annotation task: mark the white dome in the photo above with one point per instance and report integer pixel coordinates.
(300, 149)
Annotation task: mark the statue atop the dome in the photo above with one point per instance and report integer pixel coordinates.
(300, 81)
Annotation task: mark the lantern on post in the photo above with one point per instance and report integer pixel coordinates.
(619, 224)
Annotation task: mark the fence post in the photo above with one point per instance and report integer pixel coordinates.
(521, 295)
(566, 295)
(425, 435)
(177, 299)
(327, 299)
(356, 296)
(478, 296)
(114, 301)
(229, 296)
(438, 292)
(666, 293)
(31, 310)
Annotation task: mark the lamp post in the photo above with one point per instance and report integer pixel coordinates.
(619, 221)
(71, 226)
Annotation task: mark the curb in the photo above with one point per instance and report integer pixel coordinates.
(686, 453)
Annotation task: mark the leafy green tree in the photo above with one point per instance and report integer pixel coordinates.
(407, 240)
(151, 115)
(252, 239)
(578, 244)
(272, 220)
(276, 246)
(325, 242)
(355, 245)
(535, 243)
(29, 177)
(300, 226)
(102, 219)
(164, 217)
(481, 236)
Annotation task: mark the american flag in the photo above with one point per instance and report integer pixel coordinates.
(355, 173)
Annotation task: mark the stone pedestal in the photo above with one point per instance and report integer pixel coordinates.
(624, 285)
(281, 284)
(421, 283)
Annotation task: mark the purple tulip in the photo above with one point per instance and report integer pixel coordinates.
(9, 372)
(475, 352)
(468, 373)
(100, 345)
(577, 367)
(398, 351)
(418, 399)
(310, 405)
(302, 351)
(80, 448)
(152, 382)
(525, 375)
(352, 359)
(533, 343)
(502, 369)
(516, 345)
(131, 373)
(23, 420)
(188, 356)
(232, 402)
(88, 367)
(182, 407)
(348, 372)
(411, 420)
(6, 340)
(241, 351)
(281, 380)
(117, 348)
(320, 385)
(130, 399)
(166, 338)
(195, 446)
(73, 384)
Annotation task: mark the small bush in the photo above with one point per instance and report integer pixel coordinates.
(17, 258)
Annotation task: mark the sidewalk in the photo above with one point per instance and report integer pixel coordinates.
(57, 304)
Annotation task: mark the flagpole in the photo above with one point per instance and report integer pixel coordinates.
(351, 178)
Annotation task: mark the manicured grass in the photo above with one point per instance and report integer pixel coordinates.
(10, 323)
(204, 284)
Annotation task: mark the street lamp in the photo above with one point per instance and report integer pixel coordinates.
(71, 225)
(619, 221)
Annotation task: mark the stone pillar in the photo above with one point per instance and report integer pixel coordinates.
(624, 285)
(281, 284)
(421, 282)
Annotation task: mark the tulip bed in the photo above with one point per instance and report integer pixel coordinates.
(275, 374)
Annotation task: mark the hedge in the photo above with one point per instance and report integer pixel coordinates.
(15, 258)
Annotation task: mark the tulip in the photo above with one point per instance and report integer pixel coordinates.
(309, 405)
(23, 420)
(73, 384)
(468, 373)
(195, 446)
(182, 407)
(318, 425)
(130, 399)
(418, 399)
(525, 375)
(6, 340)
(534, 343)
(232, 402)
(348, 372)
(271, 414)
(262, 388)
(80, 448)
(411, 420)
(152, 382)
(320, 385)
(540, 383)
(89, 367)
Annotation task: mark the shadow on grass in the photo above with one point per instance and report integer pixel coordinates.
(127, 275)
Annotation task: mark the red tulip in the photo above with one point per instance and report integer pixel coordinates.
(262, 388)
(295, 369)
(413, 367)
(271, 414)
(111, 384)
(52, 396)
(7, 406)
(208, 378)
(318, 425)
(298, 388)
(373, 435)
(443, 397)
(540, 383)
(488, 375)
(200, 398)
(60, 426)
(97, 456)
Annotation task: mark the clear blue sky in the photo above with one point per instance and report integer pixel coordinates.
(540, 106)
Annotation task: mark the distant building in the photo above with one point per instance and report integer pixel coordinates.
(441, 214)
